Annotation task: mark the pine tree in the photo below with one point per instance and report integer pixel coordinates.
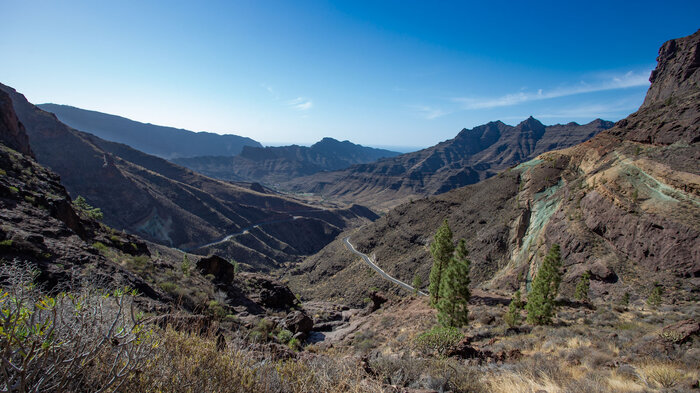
(654, 299)
(540, 301)
(441, 249)
(512, 317)
(417, 284)
(454, 290)
(582, 287)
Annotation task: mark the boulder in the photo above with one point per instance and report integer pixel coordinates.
(601, 272)
(222, 270)
(298, 322)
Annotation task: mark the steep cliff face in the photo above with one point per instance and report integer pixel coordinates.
(624, 206)
(473, 155)
(171, 205)
(13, 133)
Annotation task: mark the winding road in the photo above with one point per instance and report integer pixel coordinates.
(381, 272)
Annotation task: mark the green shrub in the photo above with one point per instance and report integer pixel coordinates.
(216, 310)
(285, 336)
(437, 340)
(6, 243)
(82, 207)
(99, 246)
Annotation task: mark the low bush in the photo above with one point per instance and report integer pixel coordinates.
(437, 340)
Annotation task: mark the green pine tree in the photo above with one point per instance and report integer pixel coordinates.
(512, 317)
(654, 299)
(540, 301)
(454, 290)
(584, 284)
(441, 249)
(417, 284)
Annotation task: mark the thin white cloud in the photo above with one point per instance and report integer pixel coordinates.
(270, 90)
(630, 79)
(428, 112)
(300, 104)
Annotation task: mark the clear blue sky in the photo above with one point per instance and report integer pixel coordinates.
(375, 72)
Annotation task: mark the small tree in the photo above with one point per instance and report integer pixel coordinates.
(454, 290)
(186, 265)
(441, 249)
(540, 301)
(417, 284)
(654, 299)
(582, 287)
(84, 208)
(512, 317)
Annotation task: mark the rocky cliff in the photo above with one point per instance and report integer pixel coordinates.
(624, 206)
(473, 155)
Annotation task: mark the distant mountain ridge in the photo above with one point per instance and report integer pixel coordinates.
(171, 205)
(277, 164)
(162, 141)
(473, 155)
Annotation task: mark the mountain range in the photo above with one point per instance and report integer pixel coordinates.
(171, 205)
(624, 206)
(272, 165)
(165, 142)
(473, 155)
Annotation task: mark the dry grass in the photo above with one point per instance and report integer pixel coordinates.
(190, 363)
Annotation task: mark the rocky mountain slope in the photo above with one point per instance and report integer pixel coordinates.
(171, 205)
(473, 155)
(624, 206)
(272, 165)
(166, 142)
(41, 229)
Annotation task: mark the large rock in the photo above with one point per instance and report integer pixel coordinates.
(222, 270)
(298, 322)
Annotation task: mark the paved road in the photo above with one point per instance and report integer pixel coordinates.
(381, 272)
(245, 230)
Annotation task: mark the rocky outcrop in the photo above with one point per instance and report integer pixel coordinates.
(12, 132)
(223, 271)
(676, 72)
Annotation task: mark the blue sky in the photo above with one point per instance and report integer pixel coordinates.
(396, 73)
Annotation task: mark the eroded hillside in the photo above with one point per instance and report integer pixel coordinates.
(624, 206)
